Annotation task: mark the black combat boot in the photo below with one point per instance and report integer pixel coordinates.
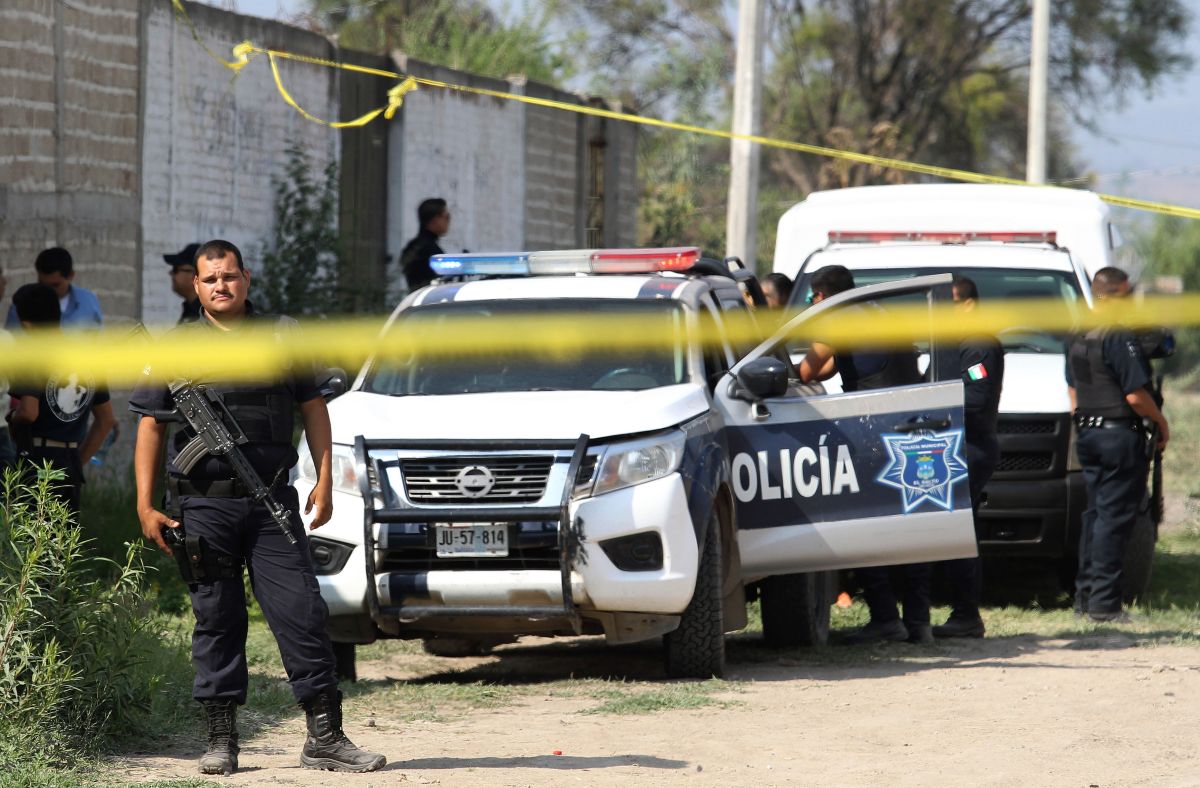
(327, 746)
(221, 756)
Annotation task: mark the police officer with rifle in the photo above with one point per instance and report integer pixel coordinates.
(1112, 400)
(227, 469)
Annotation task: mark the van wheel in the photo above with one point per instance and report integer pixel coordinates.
(344, 662)
(696, 650)
(1139, 558)
(795, 609)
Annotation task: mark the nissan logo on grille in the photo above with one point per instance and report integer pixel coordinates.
(475, 481)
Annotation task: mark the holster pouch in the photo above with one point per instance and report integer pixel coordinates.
(197, 561)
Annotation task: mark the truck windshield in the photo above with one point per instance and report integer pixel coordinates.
(607, 369)
(1057, 290)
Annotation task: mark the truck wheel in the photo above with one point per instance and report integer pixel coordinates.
(795, 609)
(1139, 557)
(344, 659)
(696, 650)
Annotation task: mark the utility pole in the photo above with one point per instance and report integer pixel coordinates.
(1039, 66)
(741, 222)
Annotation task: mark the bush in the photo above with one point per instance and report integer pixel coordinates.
(82, 658)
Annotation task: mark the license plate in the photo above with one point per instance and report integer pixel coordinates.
(485, 539)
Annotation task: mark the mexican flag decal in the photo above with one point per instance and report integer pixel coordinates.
(977, 372)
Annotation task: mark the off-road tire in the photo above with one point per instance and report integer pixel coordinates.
(1139, 557)
(795, 609)
(345, 662)
(696, 650)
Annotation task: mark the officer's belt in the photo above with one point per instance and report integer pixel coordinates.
(1106, 423)
(50, 443)
(210, 488)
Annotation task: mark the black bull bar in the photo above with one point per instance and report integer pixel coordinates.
(368, 468)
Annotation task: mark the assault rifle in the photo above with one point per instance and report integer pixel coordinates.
(218, 434)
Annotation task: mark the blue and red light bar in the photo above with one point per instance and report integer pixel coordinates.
(568, 261)
(950, 237)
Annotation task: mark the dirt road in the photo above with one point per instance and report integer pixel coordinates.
(1102, 709)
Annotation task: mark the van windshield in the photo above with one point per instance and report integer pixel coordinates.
(1057, 290)
(614, 369)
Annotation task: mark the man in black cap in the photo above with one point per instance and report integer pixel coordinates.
(183, 274)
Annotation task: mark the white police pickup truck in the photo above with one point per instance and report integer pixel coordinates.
(633, 492)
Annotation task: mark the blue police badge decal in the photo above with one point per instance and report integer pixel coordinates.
(924, 467)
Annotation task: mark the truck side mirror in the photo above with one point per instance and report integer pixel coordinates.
(763, 378)
(332, 383)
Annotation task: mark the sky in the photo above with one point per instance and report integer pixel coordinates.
(1145, 149)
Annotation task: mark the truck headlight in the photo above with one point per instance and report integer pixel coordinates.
(345, 476)
(639, 461)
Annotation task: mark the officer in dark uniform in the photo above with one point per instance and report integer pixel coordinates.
(50, 417)
(183, 272)
(863, 369)
(214, 505)
(1109, 381)
(981, 361)
(434, 219)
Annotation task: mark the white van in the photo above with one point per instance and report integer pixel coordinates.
(1081, 220)
(1015, 242)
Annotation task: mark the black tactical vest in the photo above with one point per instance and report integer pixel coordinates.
(900, 369)
(263, 411)
(1097, 392)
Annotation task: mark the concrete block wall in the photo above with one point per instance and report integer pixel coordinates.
(69, 107)
(213, 143)
(465, 148)
(553, 175)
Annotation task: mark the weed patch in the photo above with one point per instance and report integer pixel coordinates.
(633, 699)
(82, 660)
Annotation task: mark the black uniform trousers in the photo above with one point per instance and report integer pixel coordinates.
(881, 597)
(285, 585)
(965, 575)
(1114, 471)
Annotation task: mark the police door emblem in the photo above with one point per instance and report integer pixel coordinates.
(70, 398)
(924, 467)
(474, 481)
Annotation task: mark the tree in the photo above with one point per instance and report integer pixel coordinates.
(936, 81)
(460, 34)
(1170, 245)
(302, 260)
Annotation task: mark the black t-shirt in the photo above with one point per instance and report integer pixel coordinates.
(296, 386)
(981, 363)
(64, 403)
(415, 259)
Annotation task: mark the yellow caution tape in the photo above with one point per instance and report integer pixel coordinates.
(243, 51)
(258, 353)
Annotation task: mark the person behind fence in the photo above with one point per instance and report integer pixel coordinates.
(981, 362)
(224, 528)
(50, 417)
(1109, 383)
(434, 219)
(79, 307)
(183, 275)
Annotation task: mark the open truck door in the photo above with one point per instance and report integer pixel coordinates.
(837, 481)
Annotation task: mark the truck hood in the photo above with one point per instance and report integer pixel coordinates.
(534, 415)
(1034, 383)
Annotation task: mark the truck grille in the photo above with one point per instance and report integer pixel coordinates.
(513, 480)
(1025, 461)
